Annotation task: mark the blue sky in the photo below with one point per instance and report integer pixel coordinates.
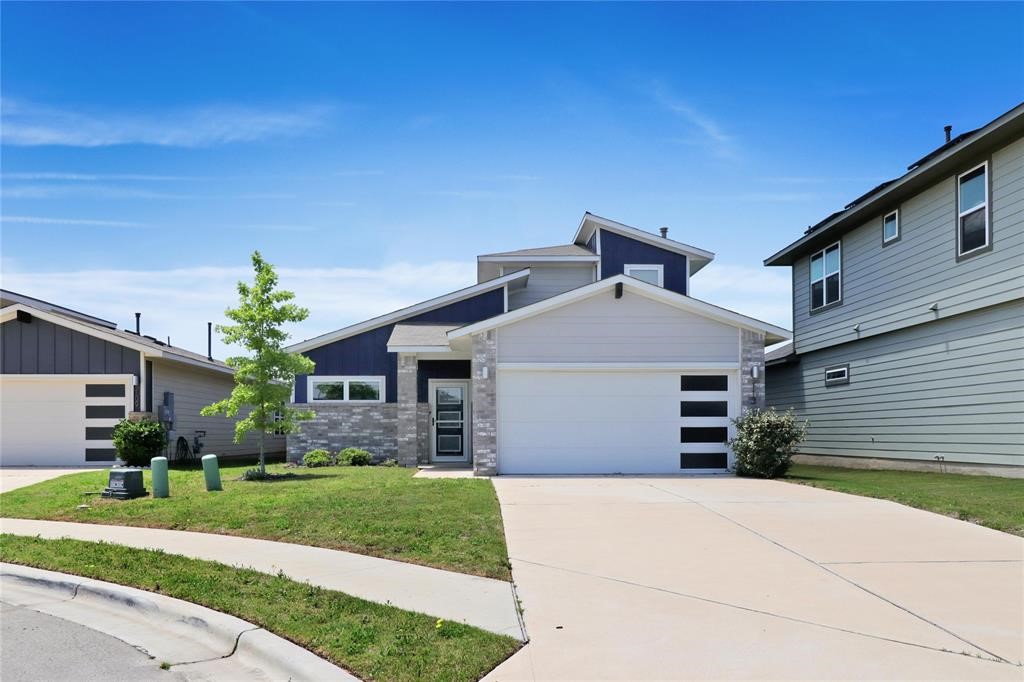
(372, 151)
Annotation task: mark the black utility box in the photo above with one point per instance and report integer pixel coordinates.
(125, 484)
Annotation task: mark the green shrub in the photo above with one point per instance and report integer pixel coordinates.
(389, 462)
(765, 442)
(138, 442)
(355, 457)
(318, 458)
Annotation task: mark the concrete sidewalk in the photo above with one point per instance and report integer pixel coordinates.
(483, 602)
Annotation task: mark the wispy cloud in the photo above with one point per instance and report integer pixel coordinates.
(358, 173)
(28, 124)
(760, 292)
(97, 177)
(272, 227)
(776, 197)
(84, 222)
(463, 193)
(336, 297)
(49, 191)
(704, 130)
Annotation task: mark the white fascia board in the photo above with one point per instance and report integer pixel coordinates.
(640, 235)
(538, 259)
(94, 378)
(11, 311)
(615, 366)
(671, 298)
(399, 315)
(419, 349)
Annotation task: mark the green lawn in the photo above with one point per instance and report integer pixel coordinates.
(374, 641)
(382, 511)
(990, 501)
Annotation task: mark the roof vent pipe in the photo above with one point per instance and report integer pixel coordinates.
(664, 232)
(209, 340)
(949, 130)
(138, 324)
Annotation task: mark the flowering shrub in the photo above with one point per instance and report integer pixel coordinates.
(765, 442)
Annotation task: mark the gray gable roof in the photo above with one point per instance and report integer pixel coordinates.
(562, 250)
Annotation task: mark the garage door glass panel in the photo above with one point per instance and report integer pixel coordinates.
(704, 408)
(703, 460)
(104, 390)
(703, 434)
(704, 382)
(104, 411)
(100, 454)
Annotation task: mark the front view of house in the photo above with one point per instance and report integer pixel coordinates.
(585, 358)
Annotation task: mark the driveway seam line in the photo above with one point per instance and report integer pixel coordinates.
(770, 614)
(841, 577)
(924, 561)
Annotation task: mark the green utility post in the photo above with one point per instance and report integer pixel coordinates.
(211, 472)
(158, 468)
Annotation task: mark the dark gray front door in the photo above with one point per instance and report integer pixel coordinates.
(449, 420)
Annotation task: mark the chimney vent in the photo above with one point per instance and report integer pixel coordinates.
(949, 130)
(209, 340)
(664, 232)
(138, 323)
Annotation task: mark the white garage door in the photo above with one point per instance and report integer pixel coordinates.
(53, 420)
(602, 422)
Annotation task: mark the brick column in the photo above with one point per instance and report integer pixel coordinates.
(407, 428)
(485, 414)
(751, 355)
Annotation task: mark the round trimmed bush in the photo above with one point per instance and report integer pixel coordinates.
(317, 458)
(765, 442)
(138, 442)
(355, 457)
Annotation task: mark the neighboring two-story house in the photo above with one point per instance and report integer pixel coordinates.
(589, 357)
(908, 315)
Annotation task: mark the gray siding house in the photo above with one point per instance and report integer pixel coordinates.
(67, 378)
(588, 357)
(908, 315)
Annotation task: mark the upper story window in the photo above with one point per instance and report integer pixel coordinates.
(326, 389)
(652, 273)
(826, 277)
(891, 227)
(973, 228)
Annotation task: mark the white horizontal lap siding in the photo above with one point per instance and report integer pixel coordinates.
(629, 329)
(193, 390)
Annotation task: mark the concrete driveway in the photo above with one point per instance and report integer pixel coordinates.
(727, 578)
(19, 477)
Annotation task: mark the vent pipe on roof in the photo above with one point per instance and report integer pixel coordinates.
(138, 324)
(209, 340)
(664, 232)
(949, 131)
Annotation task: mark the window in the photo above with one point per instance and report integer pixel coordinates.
(972, 211)
(837, 375)
(652, 274)
(825, 277)
(346, 389)
(704, 382)
(891, 227)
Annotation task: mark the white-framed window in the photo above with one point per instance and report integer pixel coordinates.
(973, 231)
(837, 375)
(891, 226)
(826, 277)
(342, 389)
(653, 273)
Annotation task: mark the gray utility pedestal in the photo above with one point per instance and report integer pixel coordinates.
(125, 484)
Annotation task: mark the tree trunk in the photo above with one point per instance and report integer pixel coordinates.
(263, 460)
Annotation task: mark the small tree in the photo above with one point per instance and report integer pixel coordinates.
(264, 378)
(766, 441)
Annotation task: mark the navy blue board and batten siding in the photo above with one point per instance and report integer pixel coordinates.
(366, 354)
(617, 251)
(42, 347)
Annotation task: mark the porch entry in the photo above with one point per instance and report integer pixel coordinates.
(449, 420)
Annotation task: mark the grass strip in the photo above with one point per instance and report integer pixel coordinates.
(374, 641)
(453, 524)
(991, 501)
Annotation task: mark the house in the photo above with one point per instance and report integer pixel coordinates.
(589, 357)
(908, 315)
(66, 378)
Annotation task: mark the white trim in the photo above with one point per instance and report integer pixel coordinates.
(824, 276)
(89, 378)
(467, 418)
(143, 379)
(984, 206)
(597, 245)
(644, 289)
(505, 296)
(641, 235)
(894, 212)
(658, 267)
(345, 380)
(617, 366)
(419, 349)
(398, 315)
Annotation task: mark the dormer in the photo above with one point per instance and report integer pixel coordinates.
(625, 250)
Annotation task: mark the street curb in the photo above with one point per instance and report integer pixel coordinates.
(172, 630)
